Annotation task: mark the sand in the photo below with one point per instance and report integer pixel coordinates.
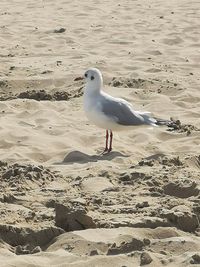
(61, 203)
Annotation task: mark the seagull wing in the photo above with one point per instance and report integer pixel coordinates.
(121, 111)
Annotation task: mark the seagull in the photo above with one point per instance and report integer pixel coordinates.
(110, 113)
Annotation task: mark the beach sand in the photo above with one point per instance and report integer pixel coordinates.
(61, 202)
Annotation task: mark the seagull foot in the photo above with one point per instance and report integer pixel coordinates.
(106, 151)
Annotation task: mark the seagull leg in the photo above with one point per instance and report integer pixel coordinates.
(111, 138)
(106, 148)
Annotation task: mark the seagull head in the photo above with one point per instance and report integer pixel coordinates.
(93, 79)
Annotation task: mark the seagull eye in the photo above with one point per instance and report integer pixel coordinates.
(85, 75)
(92, 77)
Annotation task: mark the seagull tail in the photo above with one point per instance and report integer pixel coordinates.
(156, 121)
(147, 119)
(161, 122)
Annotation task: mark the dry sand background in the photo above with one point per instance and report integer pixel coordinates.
(54, 186)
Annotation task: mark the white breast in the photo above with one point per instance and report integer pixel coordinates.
(93, 111)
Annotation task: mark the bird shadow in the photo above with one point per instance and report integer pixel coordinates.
(81, 158)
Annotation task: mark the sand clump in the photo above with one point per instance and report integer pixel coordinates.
(50, 213)
(72, 218)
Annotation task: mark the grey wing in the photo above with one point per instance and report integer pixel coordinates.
(123, 114)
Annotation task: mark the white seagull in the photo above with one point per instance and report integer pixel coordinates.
(110, 113)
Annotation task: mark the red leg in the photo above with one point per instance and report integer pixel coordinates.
(106, 148)
(111, 138)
